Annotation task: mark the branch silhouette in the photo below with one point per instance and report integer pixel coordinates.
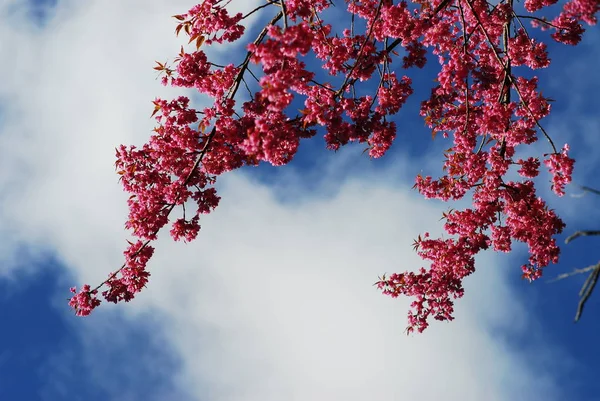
(594, 270)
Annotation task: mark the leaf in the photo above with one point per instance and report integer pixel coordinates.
(179, 17)
(433, 134)
(415, 246)
(417, 243)
(428, 119)
(156, 109)
(200, 41)
(418, 176)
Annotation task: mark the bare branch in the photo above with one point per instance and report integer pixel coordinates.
(259, 7)
(588, 285)
(588, 189)
(590, 282)
(587, 289)
(284, 11)
(573, 273)
(583, 233)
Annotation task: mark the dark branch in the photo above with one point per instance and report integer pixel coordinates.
(587, 289)
(583, 233)
(573, 273)
(586, 189)
(588, 285)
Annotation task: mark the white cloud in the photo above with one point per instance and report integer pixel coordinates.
(283, 307)
(274, 300)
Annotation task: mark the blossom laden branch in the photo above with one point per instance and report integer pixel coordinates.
(121, 289)
(478, 48)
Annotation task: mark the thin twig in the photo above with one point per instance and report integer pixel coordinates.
(587, 289)
(543, 21)
(284, 11)
(583, 233)
(360, 52)
(573, 273)
(259, 7)
(592, 190)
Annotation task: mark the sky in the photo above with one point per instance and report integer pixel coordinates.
(274, 300)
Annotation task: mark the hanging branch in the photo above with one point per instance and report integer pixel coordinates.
(590, 282)
(584, 233)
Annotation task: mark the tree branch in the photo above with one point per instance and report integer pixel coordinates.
(583, 233)
(573, 273)
(586, 189)
(587, 289)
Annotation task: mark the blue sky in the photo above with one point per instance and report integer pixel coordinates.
(274, 300)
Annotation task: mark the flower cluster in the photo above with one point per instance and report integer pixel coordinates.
(561, 168)
(479, 100)
(84, 301)
(207, 19)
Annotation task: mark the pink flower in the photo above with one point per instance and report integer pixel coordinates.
(530, 167)
(483, 101)
(560, 166)
(85, 301)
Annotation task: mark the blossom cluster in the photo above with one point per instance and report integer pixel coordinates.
(479, 100)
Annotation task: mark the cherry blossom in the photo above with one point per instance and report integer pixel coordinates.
(352, 86)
